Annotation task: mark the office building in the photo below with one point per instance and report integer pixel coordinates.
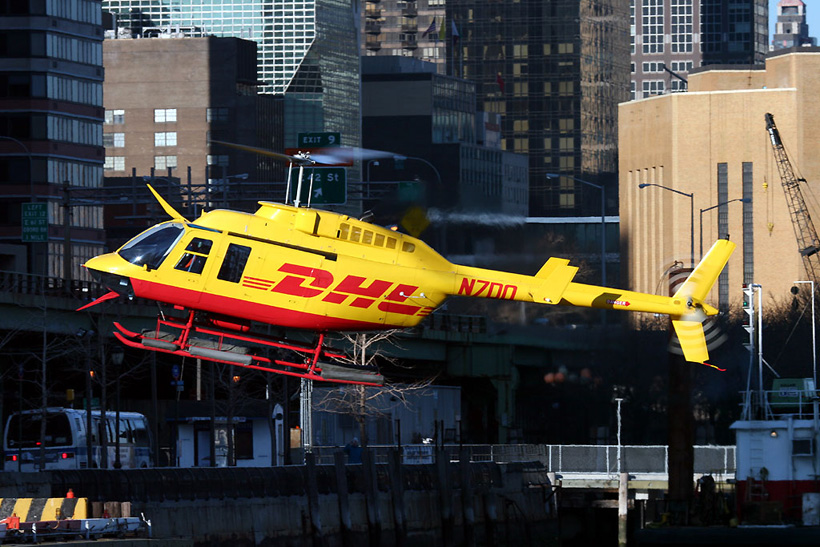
(699, 154)
(51, 149)
(554, 72)
(211, 95)
(307, 53)
(791, 28)
(440, 127)
(665, 42)
(669, 38)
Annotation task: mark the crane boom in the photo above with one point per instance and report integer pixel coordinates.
(807, 241)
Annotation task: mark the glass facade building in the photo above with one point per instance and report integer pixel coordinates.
(51, 119)
(735, 32)
(555, 73)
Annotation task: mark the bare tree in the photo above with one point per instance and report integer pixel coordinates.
(358, 401)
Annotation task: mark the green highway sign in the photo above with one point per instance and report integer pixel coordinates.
(319, 140)
(35, 222)
(329, 186)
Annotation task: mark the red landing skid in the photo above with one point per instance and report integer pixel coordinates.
(182, 337)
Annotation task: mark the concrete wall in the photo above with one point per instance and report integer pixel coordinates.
(333, 504)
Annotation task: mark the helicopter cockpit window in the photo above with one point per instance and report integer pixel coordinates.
(196, 253)
(152, 246)
(234, 264)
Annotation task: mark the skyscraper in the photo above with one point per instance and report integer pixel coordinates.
(555, 72)
(50, 134)
(791, 28)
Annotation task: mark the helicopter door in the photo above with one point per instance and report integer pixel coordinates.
(192, 263)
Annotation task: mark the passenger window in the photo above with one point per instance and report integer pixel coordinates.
(234, 264)
(391, 243)
(355, 234)
(344, 229)
(368, 237)
(379, 241)
(193, 260)
(199, 245)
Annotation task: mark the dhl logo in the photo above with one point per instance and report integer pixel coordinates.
(353, 290)
(477, 287)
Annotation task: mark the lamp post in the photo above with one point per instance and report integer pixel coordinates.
(117, 356)
(369, 163)
(603, 218)
(813, 336)
(691, 197)
(744, 200)
(399, 158)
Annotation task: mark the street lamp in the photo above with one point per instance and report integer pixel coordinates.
(744, 200)
(399, 158)
(691, 214)
(117, 356)
(813, 336)
(603, 218)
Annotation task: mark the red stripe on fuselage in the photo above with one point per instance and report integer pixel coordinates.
(245, 309)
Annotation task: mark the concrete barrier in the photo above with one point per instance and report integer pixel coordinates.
(38, 509)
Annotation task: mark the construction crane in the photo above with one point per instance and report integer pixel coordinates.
(807, 241)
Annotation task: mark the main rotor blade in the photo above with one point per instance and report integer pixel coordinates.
(270, 153)
(320, 156)
(337, 155)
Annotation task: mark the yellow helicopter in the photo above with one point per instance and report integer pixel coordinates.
(303, 268)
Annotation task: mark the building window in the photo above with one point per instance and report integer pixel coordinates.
(164, 162)
(113, 140)
(165, 115)
(652, 87)
(114, 163)
(216, 115)
(748, 224)
(114, 117)
(722, 228)
(165, 138)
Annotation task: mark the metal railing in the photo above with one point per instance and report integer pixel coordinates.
(24, 283)
(779, 404)
(583, 459)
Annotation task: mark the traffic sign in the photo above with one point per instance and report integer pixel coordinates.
(319, 140)
(329, 186)
(35, 222)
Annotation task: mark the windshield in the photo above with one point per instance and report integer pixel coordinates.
(152, 246)
(24, 431)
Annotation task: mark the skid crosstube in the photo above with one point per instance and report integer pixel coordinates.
(179, 337)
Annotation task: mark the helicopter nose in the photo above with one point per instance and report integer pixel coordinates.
(105, 269)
